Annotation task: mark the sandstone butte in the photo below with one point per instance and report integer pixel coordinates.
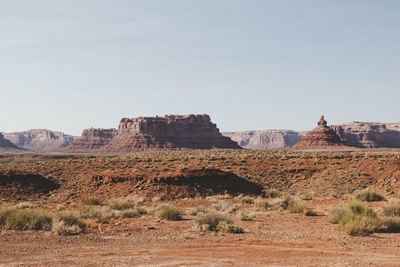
(320, 137)
(154, 133)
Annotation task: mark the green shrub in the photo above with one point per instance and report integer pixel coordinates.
(120, 204)
(24, 219)
(369, 196)
(168, 212)
(90, 201)
(228, 227)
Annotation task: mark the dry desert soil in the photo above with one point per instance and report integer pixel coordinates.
(233, 183)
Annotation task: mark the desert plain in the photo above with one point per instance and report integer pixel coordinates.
(157, 208)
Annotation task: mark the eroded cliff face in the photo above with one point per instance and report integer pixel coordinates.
(6, 145)
(168, 132)
(369, 134)
(92, 140)
(266, 139)
(40, 140)
(151, 133)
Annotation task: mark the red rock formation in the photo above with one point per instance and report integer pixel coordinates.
(92, 139)
(7, 146)
(320, 137)
(169, 132)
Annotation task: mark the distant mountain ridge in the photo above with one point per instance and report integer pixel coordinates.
(356, 134)
(40, 140)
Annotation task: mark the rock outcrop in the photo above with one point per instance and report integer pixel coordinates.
(92, 139)
(369, 134)
(320, 137)
(7, 146)
(168, 132)
(40, 140)
(266, 139)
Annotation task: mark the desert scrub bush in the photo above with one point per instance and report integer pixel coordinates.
(392, 208)
(355, 219)
(296, 207)
(91, 212)
(282, 203)
(262, 204)
(271, 192)
(132, 213)
(337, 213)
(228, 227)
(369, 196)
(24, 219)
(194, 211)
(209, 221)
(120, 204)
(168, 212)
(225, 207)
(90, 201)
(68, 223)
(392, 224)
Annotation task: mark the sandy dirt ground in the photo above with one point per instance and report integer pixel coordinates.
(274, 239)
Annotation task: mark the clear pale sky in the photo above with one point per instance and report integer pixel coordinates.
(250, 64)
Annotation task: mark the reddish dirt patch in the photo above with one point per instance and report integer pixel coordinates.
(24, 186)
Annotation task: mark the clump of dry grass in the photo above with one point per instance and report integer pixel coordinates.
(68, 223)
(225, 207)
(25, 219)
(168, 212)
(120, 204)
(91, 201)
(355, 219)
(369, 196)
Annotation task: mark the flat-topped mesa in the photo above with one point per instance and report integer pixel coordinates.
(92, 139)
(168, 132)
(369, 134)
(320, 137)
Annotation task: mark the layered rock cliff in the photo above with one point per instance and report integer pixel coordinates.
(6, 145)
(369, 134)
(266, 139)
(40, 140)
(168, 132)
(92, 139)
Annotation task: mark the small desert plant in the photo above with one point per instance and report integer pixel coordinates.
(209, 221)
(228, 227)
(262, 204)
(90, 201)
(130, 213)
(355, 219)
(338, 213)
(282, 203)
(168, 212)
(92, 212)
(296, 207)
(68, 223)
(271, 192)
(120, 204)
(24, 219)
(369, 196)
(225, 207)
